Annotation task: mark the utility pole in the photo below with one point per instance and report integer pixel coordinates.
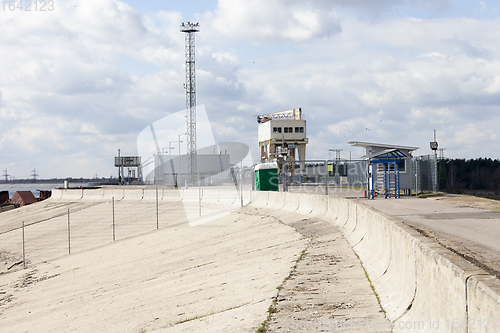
(434, 147)
(189, 29)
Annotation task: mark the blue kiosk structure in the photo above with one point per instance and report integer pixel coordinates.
(389, 161)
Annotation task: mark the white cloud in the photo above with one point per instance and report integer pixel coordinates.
(83, 81)
(266, 21)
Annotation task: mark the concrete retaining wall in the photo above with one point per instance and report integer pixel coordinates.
(422, 286)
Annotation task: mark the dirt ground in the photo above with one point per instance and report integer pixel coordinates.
(474, 202)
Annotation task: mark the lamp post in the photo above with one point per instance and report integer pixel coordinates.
(162, 162)
(170, 156)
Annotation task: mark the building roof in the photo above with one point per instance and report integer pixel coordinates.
(388, 154)
(23, 198)
(4, 196)
(380, 145)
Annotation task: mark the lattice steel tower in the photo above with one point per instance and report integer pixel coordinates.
(189, 29)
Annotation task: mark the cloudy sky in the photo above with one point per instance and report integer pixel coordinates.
(82, 80)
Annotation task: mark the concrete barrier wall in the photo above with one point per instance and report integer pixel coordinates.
(276, 200)
(292, 201)
(150, 194)
(320, 206)
(171, 194)
(422, 286)
(133, 194)
(306, 204)
(93, 194)
(483, 303)
(229, 196)
(71, 194)
(113, 192)
(260, 199)
(55, 195)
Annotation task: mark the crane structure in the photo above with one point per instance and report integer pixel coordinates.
(190, 29)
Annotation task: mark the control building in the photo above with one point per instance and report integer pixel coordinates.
(282, 135)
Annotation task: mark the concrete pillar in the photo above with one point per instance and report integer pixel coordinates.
(302, 157)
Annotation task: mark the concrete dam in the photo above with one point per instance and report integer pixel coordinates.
(216, 259)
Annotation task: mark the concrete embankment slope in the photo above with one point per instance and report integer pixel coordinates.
(218, 272)
(422, 286)
(216, 277)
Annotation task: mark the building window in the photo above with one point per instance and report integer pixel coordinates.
(276, 129)
(279, 129)
(302, 130)
(296, 130)
(290, 129)
(286, 129)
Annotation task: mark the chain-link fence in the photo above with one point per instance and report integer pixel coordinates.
(353, 178)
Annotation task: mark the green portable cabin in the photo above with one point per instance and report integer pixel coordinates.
(266, 177)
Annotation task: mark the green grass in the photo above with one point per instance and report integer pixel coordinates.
(429, 195)
(371, 284)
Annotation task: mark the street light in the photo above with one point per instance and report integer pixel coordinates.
(162, 160)
(170, 156)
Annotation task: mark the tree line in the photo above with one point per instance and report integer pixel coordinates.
(461, 175)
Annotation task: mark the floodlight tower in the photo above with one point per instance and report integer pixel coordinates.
(189, 29)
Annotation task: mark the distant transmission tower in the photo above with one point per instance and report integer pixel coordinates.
(189, 29)
(34, 175)
(337, 153)
(6, 175)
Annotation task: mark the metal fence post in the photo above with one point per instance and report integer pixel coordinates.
(113, 205)
(156, 207)
(69, 236)
(241, 183)
(24, 252)
(326, 178)
(199, 193)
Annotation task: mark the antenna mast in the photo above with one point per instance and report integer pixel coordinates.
(189, 29)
